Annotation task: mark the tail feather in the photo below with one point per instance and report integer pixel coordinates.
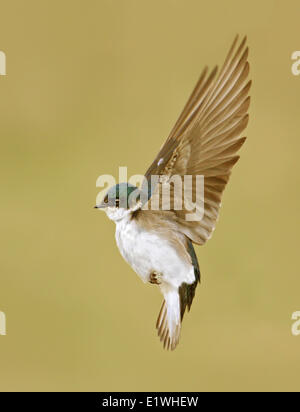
(168, 324)
(176, 301)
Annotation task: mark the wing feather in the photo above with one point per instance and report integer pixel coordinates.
(206, 138)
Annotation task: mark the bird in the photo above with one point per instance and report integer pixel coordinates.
(158, 242)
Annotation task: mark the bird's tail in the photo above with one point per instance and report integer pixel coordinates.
(168, 324)
(176, 301)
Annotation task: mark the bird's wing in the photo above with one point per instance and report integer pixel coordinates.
(205, 140)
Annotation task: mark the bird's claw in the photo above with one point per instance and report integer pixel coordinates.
(155, 278)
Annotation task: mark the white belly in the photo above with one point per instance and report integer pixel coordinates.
(146, 253)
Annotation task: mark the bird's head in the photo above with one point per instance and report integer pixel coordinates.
(121, 200)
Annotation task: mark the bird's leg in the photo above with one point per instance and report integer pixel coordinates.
(155, 278)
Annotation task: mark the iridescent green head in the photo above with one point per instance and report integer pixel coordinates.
(123, 195)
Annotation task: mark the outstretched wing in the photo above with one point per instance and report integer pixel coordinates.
(206, 138)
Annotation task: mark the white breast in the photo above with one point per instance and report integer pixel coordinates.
(146, 252)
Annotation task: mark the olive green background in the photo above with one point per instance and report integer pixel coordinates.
(94, 85)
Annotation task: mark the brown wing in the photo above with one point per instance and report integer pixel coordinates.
(206, 138)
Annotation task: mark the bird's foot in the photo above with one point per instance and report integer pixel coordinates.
(155, 278)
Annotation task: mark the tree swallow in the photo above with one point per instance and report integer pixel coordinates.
(158, 241)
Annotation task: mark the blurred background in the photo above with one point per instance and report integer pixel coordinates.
(94, 85)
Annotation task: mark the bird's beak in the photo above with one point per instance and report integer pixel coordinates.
(101, 206)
